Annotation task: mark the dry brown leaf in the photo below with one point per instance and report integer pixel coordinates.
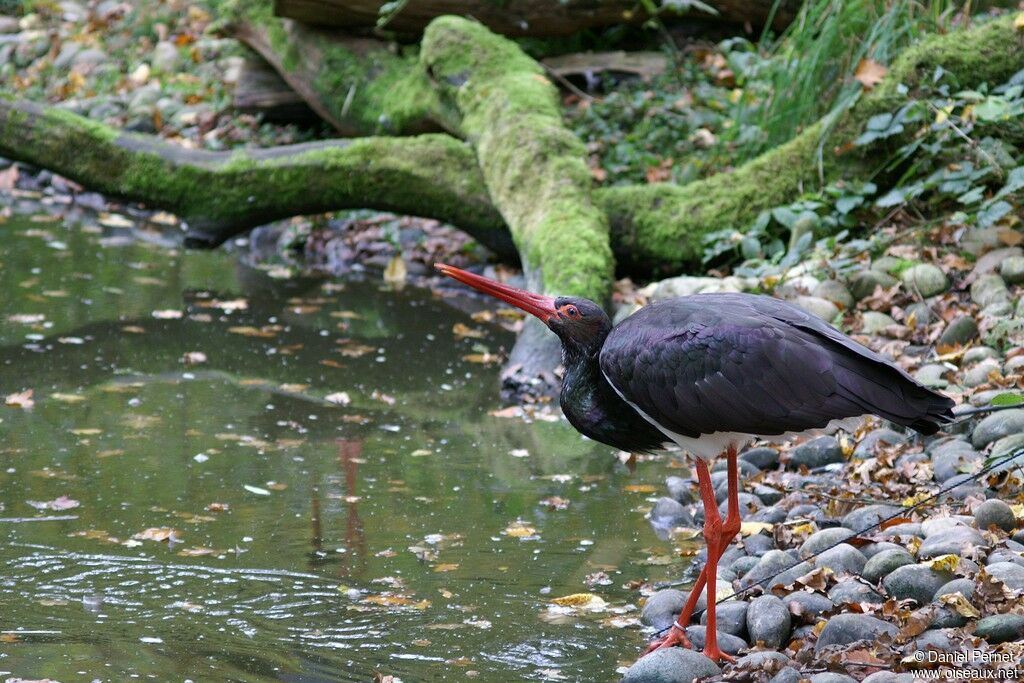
(870, 73)
(464, 331)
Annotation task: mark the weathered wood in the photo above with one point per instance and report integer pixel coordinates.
(643, 64)
(260, 90)
(360, 86)
(519, 17)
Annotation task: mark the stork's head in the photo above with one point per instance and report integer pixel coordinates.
(581, 324)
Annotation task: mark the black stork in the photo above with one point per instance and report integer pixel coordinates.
(710, 373)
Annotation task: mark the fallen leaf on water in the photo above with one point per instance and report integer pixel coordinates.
(584, 601)
(519, 453)
(640, 488)
(870, 73)
(382, 397)
(446, 567)
(385, 600)
(193, 358)
(168, 314)
(520, 530)
(555, 503)
(266, 332)
(22, 399)
(338, 398)
(67, 398)
(159, 534)
(199, 551)
(62, 503)
(256, 489)
(482, 358)
(218, 507)
(395, 273)
(464, 331)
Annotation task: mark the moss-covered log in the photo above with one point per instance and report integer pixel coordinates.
(360, 86)
(659, 227)
(533, 166)
(522, 17)
(220, 194)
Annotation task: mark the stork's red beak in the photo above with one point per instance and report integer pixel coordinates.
(535, 304)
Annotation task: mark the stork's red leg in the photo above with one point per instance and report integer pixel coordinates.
(731, 527)
(713, 534)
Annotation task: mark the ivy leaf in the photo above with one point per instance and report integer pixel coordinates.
(1007, 400)
(991, 213)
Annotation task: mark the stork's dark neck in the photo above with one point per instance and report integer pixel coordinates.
(595, 409)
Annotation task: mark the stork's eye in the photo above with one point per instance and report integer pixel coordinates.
(571, 311)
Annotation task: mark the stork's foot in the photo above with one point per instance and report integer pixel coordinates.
(716, 655)
(675, 637)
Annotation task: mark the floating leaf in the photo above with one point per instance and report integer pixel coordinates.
(520, 530)
(464, 331)
(256, 489)
(581, 601)
(159, 534)
(640, 488)
(338, 398)
(22, 399)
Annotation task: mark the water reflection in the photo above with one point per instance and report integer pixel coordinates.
(306, 536)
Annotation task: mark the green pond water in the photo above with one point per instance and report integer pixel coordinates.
(310, 542)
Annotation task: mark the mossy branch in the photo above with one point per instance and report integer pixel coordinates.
(659, 227)
(220, 194)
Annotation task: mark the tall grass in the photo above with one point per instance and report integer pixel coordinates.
(810, 67)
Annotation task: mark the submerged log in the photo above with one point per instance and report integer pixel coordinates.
(521, 17)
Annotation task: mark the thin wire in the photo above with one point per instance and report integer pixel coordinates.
(902, 513)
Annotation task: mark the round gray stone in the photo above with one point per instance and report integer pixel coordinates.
(963, 586)
(867, 517)
(786, 675)
(773, 562)
(836, 292)
(884, 563)
(989, 289)
(978, 374)
(843, 559)
(763, 457)
(977, 354)
(1012, 269)
(818, 307)
(824, 538)
(768, 621)
(925, 278)
(680, 490)
(824, 450)
(996, 426)
(852, 591)
(727, 643)
(806, 605)
(874, 322)
(1010, 573)
(730, 618)
(662, 608)
(1001, 628)
(864, 283)
(743, 565)
(960, 330)
(843, 629)
(669, 513)
(671, 665)
(994, 512)
(956, 540)
(915, 582)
